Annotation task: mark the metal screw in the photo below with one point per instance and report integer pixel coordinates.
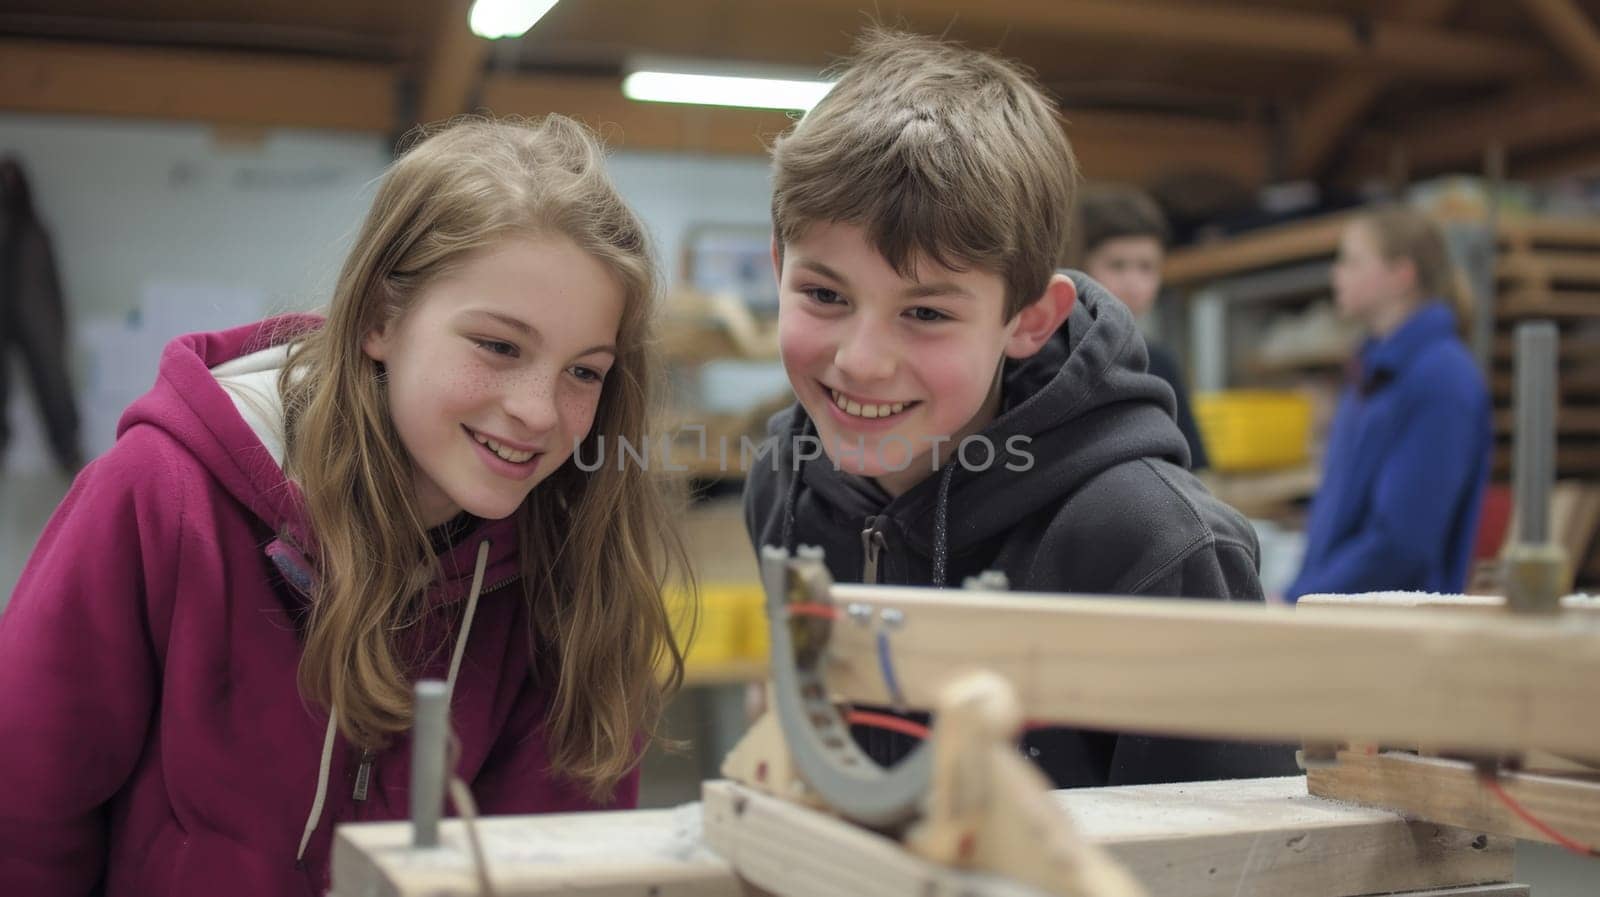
(893, 618)
(859, 612)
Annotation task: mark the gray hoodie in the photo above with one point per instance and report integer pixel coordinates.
(1107, 507)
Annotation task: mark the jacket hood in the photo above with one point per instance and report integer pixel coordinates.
(216, 395)
(1083, 404)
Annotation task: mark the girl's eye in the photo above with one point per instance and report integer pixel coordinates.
(497, 347)
(588, 374)
(822, 295)
(929, 315)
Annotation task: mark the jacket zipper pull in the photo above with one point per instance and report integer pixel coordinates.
(363, 775)
(872, 544)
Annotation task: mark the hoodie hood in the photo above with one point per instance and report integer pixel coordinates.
(216, 394)
(1081, 405)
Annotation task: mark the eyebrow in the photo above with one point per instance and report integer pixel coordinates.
(528, 330)
(919, 291)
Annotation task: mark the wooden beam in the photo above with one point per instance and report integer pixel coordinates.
(1200, 839)
(1228, 670)
(1112, 146)
(1529, 117)
(1332, 111)
(1568, 27)
(1449, 792)
(1396, 46)
(1298, 241)
(453, 67)
(221, 88)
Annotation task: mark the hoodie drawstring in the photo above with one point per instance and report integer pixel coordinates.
(322, 784)
(941, 526)
(315, 817)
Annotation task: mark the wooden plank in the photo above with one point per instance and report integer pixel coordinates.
(1577, 382)
(1449, 792)
(1547, 230)
(1217, 669)
(1544, 267)
(1255, 837)
(617, 854)
(1537, 303)
(1584, 604)
(1569, 420)
(223, 88)
(1280, 245)
(1250, 838)
(1569, 27)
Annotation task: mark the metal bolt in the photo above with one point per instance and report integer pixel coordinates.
(893, 618)
(859, 612)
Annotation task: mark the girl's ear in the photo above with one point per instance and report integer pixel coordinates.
(1040, 319)
(377, 341)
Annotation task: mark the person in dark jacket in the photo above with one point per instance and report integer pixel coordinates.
(961, 406)
(1123, 235)
(33, 319)
(1409, 449)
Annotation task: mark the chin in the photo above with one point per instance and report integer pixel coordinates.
(493, 509)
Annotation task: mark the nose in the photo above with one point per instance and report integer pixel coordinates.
(531, 403)
(865, 353)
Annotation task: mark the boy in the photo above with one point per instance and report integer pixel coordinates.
(975, 410)
(1124, 238)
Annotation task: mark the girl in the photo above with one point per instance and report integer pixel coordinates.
(207, 663)
(1408, 452)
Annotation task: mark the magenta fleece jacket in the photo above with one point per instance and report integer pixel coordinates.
(152, 738)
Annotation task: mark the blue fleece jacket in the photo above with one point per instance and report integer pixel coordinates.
(1407, 462)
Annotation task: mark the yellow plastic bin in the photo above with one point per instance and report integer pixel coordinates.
(1254, 429)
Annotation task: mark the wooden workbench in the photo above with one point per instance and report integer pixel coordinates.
(1250, 838)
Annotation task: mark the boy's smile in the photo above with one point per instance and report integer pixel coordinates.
(894, 370)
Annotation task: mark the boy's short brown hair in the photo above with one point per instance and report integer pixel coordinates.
(1110, 211)
(934, 149)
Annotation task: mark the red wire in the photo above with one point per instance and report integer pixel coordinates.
(808, 609)
(1538, 824)
(885, 721)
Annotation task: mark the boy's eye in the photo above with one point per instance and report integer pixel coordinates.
(497, 347)
(926, 314)
(587, 374)
(822, 295)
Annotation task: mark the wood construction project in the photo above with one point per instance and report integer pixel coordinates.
(964, 814)
(1253, 838)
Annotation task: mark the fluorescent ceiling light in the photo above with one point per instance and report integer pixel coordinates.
(724, 90)
(495, 19)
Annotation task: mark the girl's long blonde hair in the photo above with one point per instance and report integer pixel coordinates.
(597, 548)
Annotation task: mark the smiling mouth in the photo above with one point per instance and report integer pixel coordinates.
(866, 410)
(503, 452)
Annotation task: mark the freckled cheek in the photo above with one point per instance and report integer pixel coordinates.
(463, 386)
(577, 409)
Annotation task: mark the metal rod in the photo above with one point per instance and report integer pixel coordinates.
(1535, 436)
(428, 760)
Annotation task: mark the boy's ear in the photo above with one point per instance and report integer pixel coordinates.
(777, 260)
(1040, 319)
